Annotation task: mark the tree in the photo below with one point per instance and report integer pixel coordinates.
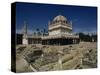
(85, 37)
(38, 31)
(34, 33)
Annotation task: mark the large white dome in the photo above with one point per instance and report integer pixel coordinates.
(60, 17)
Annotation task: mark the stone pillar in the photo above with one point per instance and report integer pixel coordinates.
(47, 42)
(59, 62)
(60, 54)
(25, 41)
(92, 40)
(73, 41)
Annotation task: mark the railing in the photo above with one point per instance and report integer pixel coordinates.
(56, 26)
(61, 35)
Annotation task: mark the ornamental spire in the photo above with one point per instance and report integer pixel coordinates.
(25, 28)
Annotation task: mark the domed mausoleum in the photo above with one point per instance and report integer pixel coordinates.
(60, 25)
(60, 33)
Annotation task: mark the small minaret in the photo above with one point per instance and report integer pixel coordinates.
(25, 40)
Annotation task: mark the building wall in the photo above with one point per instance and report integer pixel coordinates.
(59, 29)
(54, 32)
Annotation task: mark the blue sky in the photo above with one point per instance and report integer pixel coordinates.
(37, 16)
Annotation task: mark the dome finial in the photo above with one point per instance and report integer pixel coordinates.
(59, 13)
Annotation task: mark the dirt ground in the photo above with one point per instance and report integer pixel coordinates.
(74, 56)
